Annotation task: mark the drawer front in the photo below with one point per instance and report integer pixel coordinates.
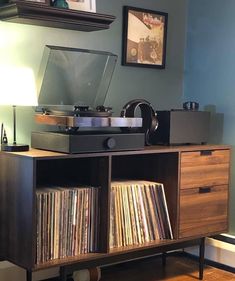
(203, 211)
(204, 168)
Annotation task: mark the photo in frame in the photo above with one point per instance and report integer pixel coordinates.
(82, 5)
(144, 37)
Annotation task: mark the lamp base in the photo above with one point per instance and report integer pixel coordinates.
(14, 147)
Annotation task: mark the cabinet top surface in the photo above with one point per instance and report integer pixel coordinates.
(41, 154)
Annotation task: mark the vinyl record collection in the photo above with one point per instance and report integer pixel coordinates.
(67, 222)
(138, 213)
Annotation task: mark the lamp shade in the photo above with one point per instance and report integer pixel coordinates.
(17, 86)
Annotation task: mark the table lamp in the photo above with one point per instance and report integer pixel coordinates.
(17, 88)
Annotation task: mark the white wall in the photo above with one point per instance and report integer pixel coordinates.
(10, 272)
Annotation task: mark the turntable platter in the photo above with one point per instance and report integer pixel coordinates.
(88, 113)
(79, 111)
(92, 122)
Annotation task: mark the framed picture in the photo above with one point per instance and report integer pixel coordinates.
(82, 5)
(144, 37)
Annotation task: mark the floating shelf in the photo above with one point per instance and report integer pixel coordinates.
(43, 15)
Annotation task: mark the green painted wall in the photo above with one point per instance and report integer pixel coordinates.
(209, 71)
(23, 45)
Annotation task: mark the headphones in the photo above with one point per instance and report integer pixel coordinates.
(150, 122)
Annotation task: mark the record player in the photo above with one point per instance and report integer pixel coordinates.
(72, 88)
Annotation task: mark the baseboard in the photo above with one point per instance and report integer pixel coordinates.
(211, 263)
(225, 238)
(217, 253)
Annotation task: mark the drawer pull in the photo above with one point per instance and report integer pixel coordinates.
(206, 152)
(206, 189)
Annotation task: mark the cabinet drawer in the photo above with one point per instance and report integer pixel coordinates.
(204, 168)
(203, 211)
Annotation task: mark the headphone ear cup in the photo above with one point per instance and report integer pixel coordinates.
(154, 124)
(150, 124)
(148, 115)
(129, 111)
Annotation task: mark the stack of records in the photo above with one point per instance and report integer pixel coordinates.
(138, 213)
(67, 222)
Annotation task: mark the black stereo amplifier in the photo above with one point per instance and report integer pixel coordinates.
(87, 142)
(182, 127)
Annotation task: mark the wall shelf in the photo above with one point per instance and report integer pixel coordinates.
(43, 15)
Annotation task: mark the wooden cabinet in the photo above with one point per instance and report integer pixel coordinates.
(204, 168)
(195, 179)
(204, 179)
(203, 210)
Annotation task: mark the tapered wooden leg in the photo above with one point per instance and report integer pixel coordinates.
(201, 258)
(28, 275)
(63, 273)
(164, 259)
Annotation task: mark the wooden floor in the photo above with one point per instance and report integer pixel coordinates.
(177, 269)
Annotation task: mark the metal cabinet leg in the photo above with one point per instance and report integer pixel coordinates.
(28, 275)
(63, 273)
(164, 259)
(201, 257)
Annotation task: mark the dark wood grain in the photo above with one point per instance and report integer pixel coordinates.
(17, 189)
(204, 170)
(43, 154)
(23, 172)
(3, 218)
(103, 177)
(37, 14)
(203, 213)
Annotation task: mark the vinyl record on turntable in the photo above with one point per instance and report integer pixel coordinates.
(82, 111)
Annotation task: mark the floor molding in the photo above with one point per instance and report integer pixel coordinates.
(225, 238)
(211, 263)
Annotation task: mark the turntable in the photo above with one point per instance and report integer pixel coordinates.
(72, 88)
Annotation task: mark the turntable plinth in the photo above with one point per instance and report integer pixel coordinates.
(81, 142)
(78, 121)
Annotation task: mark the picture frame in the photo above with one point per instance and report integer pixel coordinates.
(82, 5)
(144, 37)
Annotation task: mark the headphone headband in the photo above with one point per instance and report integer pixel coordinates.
(150, 122)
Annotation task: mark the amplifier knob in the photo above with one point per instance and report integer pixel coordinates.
(110, 143)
